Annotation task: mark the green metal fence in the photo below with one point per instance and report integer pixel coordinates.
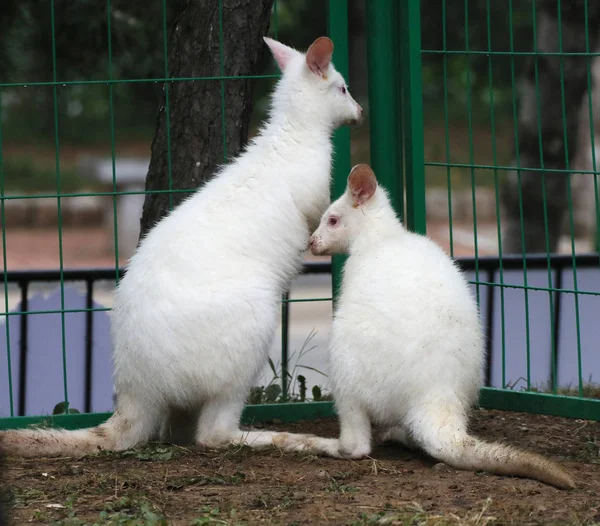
(402, 155)
(336, 13)
(522, 110)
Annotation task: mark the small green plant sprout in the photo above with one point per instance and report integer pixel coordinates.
(60, 409)
(272, 393)
(302, 384)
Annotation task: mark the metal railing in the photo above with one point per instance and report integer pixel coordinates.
(487, 266)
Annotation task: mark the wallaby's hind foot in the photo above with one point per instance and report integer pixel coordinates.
(308, 444)
(355, 432)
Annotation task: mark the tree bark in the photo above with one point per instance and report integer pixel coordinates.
(194, 109)
(551, 125)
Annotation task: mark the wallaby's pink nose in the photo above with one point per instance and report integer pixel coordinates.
(311, 241)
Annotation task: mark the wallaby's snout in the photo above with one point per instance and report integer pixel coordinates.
(315, 245)
(357, 120)
(360, 118)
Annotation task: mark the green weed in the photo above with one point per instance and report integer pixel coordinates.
(272, 392)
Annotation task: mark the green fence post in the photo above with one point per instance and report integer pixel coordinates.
(58, 206)
(384, 83)
(412, 93)
(338, 32)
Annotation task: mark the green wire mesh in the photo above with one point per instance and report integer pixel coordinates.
(487, 47)
(338, 25)
(399, 111)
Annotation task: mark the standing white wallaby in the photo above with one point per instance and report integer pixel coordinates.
(196, 313)
(406, 346)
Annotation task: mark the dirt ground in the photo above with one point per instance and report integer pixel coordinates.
(168, 485)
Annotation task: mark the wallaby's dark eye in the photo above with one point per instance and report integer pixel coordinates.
(332, 221)
(343, 88)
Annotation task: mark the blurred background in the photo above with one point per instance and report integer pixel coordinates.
(474, 110)
(458, 104)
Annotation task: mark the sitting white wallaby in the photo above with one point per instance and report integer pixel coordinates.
(406, 346)
(196, 313)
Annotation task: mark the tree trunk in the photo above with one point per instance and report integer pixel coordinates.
(196, 134)
(551, 124)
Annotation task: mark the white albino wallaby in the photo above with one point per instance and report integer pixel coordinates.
(406, 347)
(196, 313)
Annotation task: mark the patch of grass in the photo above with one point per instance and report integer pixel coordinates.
(132, 511)
(272, 392)
(589, 389)
(214, 516)
(339, 483)
(415, 515)
(18, 497)
(260, 501)
(223, 480)
(149, 452)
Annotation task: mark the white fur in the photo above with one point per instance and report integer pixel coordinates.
(197, 310)
(406, 346)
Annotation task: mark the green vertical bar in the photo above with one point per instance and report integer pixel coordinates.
(275, 19)
(5, 264)
(58, 206)
(496, 183)
(285, 306)
(384, 84)
(592, 130)
(569, 198)
(399, 147)
(519, 187)
(111, 109)
(447, 128)
(544, 205)
(412, 93)
(167, 107)
(222, 73)
(285, 344)
(471, 151)
(338, 32)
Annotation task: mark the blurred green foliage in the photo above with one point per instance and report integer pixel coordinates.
(81, 52)
(476, 25)
(21, 174)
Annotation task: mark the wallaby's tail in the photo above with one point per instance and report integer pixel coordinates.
(117, 433)
(451, 444)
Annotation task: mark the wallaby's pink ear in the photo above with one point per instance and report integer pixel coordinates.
(281, 53)
(362, 184)
(318, 56)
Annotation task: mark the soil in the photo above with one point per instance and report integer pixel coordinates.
(171, 485)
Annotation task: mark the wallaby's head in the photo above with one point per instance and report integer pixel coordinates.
(311, 88)
(346, 218)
